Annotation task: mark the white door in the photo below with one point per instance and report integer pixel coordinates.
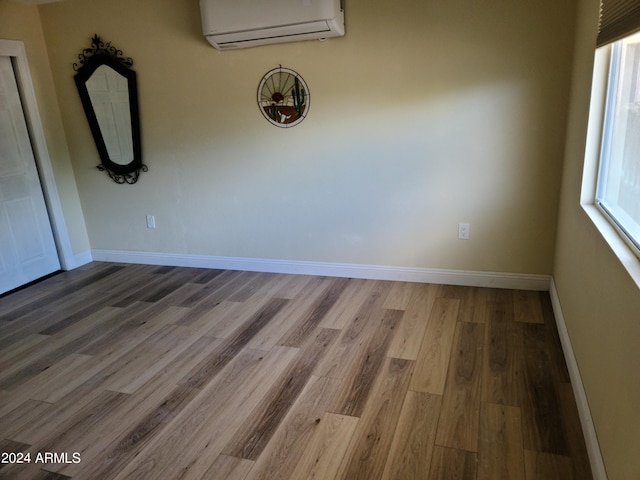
(27, 247)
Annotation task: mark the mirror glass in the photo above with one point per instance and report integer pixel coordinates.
(109, 94)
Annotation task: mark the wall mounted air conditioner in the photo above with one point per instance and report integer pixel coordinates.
(231, 24)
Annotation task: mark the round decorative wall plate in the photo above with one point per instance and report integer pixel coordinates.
(283, 97)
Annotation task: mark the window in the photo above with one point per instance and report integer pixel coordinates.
(618, 183)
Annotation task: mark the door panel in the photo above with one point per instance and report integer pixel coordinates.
(27, 245)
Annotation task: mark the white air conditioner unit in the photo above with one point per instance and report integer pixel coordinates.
(231, 24)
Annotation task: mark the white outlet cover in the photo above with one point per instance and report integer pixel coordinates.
(463, 231)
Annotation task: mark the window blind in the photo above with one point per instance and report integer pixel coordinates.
(618, 18)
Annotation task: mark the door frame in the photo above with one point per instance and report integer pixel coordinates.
(16, 51)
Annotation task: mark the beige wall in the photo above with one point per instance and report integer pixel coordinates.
(424, 115)
(600, 301)
(22, 23)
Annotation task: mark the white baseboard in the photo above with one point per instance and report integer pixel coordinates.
(375, 272)
(588, 429)
(69, 260)
(83, 258)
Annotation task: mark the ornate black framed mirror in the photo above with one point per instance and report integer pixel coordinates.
(109, 96)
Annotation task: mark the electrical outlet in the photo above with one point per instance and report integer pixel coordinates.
(151, 221)
(463, 231)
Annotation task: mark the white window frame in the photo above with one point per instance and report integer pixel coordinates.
(618, 242)
(607, 163)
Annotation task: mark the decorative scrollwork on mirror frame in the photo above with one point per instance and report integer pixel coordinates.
(98, 47)
(108, 92)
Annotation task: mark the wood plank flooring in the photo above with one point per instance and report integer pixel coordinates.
(116, 371)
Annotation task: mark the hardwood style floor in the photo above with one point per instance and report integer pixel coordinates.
(119, 371)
